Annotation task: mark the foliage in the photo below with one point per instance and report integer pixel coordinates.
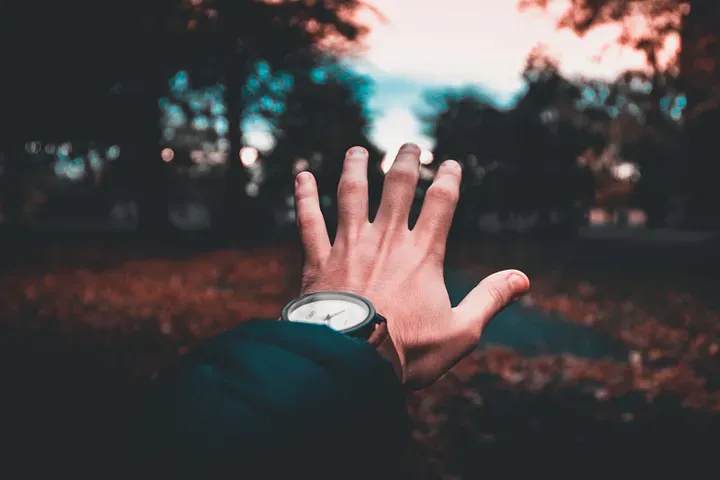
(98, 71)
(646, 24)
(103, 320)
(462, 122)
(324, 114)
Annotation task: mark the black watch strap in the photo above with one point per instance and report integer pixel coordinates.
(381, 340)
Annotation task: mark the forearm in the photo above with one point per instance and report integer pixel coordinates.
(276, 388)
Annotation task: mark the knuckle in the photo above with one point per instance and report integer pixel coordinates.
(443, 193)
(310, 272)
(306, 221)
(434, 255)
(496, 296)
(351, 186)
(302, 194)
(404, 175)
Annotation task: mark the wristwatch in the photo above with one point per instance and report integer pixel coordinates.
(347, 313)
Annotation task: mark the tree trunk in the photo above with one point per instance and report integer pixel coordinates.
(12, 191)
(699, 66)
(700, 80)
(151, 174)
(234, 201)
(153, 195)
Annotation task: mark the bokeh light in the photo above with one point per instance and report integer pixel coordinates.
(168, 133)
(201, 123)
(65, 149)
(426, 173)
(252, 189)
(180, 82)
(167, 154)
(221, 125)
(113, 152)
(175, 116)
(218, 108)
(300, 165)
(248, 156)
(426, 156)
(33, 147)
(625, 171)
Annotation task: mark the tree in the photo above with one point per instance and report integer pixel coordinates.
(121, 58)
(52, 89)
(650, 138)
(324, 114)
(677, 94)
(647, 25)
(87, 72)
(237, 35)
(467, 127)
(463, 122)
(556, 128)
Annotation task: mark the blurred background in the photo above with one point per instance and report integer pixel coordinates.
(147, 156)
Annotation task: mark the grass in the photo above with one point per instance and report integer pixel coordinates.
(82, 327)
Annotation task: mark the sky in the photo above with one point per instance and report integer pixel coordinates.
(424, 44)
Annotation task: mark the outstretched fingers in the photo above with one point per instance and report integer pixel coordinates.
(310, 220)
(433, 225)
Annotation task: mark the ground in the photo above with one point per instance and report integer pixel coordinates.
(83, 325)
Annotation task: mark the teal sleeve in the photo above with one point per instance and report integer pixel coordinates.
(273, 399)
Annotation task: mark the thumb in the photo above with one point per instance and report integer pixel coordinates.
(490, 296)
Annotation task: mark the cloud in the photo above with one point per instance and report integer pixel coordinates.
(481, 41)
(449, 42)
(444, 43)
(397, 126)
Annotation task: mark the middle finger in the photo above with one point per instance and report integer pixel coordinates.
(399, 188)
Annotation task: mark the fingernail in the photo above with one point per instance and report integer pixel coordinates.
(356, 152)
(410, 147)
(517, 281)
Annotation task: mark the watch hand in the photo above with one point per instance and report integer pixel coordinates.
(328, 316)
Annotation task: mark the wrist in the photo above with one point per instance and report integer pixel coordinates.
(350, 314)
(382, 342)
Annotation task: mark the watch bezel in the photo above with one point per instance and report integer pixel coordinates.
(372, 313)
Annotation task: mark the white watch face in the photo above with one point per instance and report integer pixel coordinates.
(337, 310)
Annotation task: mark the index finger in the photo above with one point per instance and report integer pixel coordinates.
(310, 220)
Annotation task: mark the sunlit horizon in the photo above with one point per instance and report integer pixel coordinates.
(456, 42)
(412, 50)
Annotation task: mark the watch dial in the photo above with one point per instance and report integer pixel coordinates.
(338, 312)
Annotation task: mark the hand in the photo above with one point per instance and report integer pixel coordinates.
(400, 270)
